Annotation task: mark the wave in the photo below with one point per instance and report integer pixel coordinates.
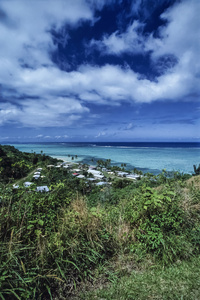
(145, 147)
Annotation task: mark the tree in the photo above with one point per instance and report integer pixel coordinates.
(196, 169)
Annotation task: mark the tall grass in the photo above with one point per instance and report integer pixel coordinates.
(51, 243)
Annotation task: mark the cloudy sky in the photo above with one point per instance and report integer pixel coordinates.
(99, 70)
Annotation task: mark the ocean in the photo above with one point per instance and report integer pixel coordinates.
(147, 157)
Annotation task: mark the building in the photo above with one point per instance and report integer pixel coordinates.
(80, 176)
(27, 183)
(43, 188)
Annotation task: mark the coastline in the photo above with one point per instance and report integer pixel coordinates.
(147, 159)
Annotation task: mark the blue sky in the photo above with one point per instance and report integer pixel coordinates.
(99, 70)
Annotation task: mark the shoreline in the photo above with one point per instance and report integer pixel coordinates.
(147, 159)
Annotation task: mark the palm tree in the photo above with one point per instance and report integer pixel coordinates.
(196, 169)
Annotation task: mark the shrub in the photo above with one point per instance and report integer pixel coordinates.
(158, 221)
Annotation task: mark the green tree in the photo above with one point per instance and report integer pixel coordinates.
(196, 169)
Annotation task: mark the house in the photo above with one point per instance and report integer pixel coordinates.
(76, 170)
(92, 168)
(43, 188)
(27, 183)
(80, 176)
(91, 179)
(101, 183)
(75, 174)
(66, 166)
(39, 169)
(37, 173)
(131, 177)
(94, 172)
(97, 176)
(36, 176)
(15, 186)
(122, 174)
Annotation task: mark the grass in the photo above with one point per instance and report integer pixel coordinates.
(115, 242)
(180, 281)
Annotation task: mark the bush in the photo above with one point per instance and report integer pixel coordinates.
(158, 221)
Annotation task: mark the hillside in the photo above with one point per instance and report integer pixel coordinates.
(81, 236)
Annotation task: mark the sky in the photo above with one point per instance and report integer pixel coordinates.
(99, 70)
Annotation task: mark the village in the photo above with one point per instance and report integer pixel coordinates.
(95, 175)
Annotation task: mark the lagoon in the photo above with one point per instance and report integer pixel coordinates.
(148, 157)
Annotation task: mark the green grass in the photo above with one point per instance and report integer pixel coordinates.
(109, 242)
(180, 281)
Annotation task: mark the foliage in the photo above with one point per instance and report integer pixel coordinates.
(196, 169)
(15, 164)
(51, 242)
(159, 223)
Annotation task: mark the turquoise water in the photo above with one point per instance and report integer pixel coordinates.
(148, 157)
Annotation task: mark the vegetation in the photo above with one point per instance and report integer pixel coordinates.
(15, 164)
(197, 169)
(133, 238)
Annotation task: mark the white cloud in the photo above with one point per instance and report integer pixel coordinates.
(117, 43)
(129, 126)
(44, 113)
(28, 28)
(44, 96)
(177, 48)
(100, 134)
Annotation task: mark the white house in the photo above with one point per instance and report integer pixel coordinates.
(15, 186)
(91, 179)
(80, 176)
(66, 166)
(92, 168)
(94, 172)
(76, 170)
(122, 174)
(131, 177)
(43, 188)
(97, 176)
(27, 183)
(101, 183)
